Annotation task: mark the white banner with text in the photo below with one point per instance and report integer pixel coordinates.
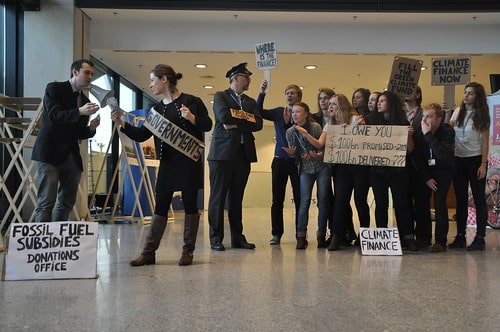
(368, 145)
(51, 250)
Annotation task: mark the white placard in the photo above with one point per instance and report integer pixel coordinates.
(266, 55)
(367, 145)
(380, 242)
(450, 71)
(51, 250)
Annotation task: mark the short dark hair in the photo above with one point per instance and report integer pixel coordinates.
(77, 65)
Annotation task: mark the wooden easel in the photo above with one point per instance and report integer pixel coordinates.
(130, 152)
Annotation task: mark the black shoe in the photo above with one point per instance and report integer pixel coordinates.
(423, 244)
(243, 244)
(477, 244)
(218, 246)
(322, 242)
(410, 245)
(143, 260)
(334, 244)
(459, 242)
(275, 240)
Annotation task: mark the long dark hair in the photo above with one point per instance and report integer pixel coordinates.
(396, 114)
(366, 95)
(481, 118)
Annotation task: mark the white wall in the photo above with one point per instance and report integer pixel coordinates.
(54, 37)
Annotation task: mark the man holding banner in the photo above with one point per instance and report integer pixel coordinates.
(178, 122)
(231, 151)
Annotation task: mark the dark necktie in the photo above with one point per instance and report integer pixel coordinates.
(240, 100)
(79, 99)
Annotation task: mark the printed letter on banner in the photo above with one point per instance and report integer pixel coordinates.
(174, 136)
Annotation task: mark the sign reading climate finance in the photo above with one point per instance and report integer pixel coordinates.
(366, 145)
(450, 71)
(266, 55)
(174, 136)
(380, 241)
(51, 250)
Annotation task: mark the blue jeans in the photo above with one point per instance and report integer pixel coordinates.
(322, 179)
(57, 182)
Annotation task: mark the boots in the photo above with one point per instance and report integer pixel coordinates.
(191, 223)
(301, 240)
(322, 243)
(335, 243)
(155, 233)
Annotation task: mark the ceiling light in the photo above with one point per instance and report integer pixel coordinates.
(310, 67)
(200, 65)
(301, 87)
(423, 68)
(208, 86)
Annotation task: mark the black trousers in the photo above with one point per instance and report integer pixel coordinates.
(282, 169)
(228, 180)
(423, 222)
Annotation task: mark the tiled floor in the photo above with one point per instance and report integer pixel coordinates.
(272, 288)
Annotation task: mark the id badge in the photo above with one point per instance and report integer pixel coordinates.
(463, 139)
(431, 162)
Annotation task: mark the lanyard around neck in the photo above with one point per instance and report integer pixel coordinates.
(466, 122)
(238, 99)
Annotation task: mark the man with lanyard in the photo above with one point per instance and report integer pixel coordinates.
(282, 166)
(232, 149)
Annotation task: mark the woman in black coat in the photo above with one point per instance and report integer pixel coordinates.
(177, 172)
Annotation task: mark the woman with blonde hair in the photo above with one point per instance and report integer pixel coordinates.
(347, 178)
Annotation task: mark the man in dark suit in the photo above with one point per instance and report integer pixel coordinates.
(65, 121)
(232, 149)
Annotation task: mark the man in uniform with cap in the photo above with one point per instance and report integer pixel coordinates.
(232, 149)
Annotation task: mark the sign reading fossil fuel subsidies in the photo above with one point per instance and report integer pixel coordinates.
(266, 55)
(404, 76)
(51, 250)
(366, 145)
(450, 71)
